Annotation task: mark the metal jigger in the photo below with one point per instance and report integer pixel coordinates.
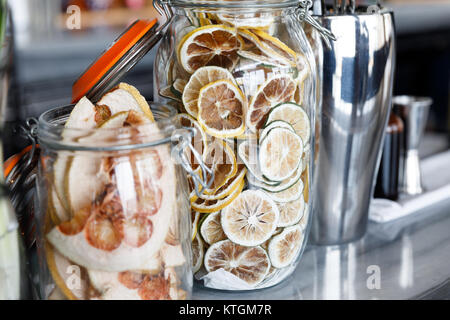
(414, 113)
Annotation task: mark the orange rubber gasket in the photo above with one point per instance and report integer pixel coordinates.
(107, 60)
(12, 161)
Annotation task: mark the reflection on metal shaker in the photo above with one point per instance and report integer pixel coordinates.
(357, 91)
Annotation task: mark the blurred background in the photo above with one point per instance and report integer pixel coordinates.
(52, 48)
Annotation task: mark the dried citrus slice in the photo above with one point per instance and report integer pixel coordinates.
(248, 153)
(221, 159)
(210, 45)
(296, 116)
(278, 49)
(209, 206)
(291, 212)
(291, 194)
(198, 80)
(167, 92)
(70, 278)
(251, 219)
(221, 109)
(197, 253)
(177, 88)
(199, 141)
(275, 124)
(280, 187)
(280, 154)
(249, 264)
(195, 224)
(305, 219)
(247, 20)
(211, 230)
(278, 88)
(260, 59)
(285, 247)
(229, 187)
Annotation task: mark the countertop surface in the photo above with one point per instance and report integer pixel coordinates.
(404, 259)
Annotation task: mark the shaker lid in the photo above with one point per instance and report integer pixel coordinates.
(122, 55)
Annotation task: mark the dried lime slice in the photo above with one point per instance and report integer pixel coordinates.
(284, 248)
(280, 154)
(211, 229)
(250, 219)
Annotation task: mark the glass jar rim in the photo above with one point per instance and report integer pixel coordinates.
(248, 4)
(51, 125)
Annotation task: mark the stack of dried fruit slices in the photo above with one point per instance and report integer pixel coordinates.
(112, 216)
(242, 88)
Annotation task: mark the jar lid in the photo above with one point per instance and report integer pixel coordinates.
(122, 55)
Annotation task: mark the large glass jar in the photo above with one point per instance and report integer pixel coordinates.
(243, 73)
(113, 216)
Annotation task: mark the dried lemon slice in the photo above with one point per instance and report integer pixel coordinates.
(198, 80)
(277, 89)
(229, 187)
(211, 229)
(210, 45)
(295, 115)
(251, 219)
(280, 154)
(197, 253)
(291, 212)
(285, 247)
(277, 48)
(248, 264)
(209, 206)
(221, 109)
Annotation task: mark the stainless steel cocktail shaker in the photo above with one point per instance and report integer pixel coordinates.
(357, 74)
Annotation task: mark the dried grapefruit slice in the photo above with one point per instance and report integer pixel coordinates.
(210, 45)
(291, 212)
(251, 219)
(280, 154)
(211, 229)
(277, 89)
(199, 79)
(285, 247)
(221, 109)
(249, 264)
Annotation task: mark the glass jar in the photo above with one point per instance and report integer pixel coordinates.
(13, 270)
(243, 74)
(113, 216)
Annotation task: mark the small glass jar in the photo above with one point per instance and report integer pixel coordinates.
(244, 73)
(113, 216)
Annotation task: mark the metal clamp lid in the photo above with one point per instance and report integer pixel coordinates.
(304, 15)
(184, 138)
